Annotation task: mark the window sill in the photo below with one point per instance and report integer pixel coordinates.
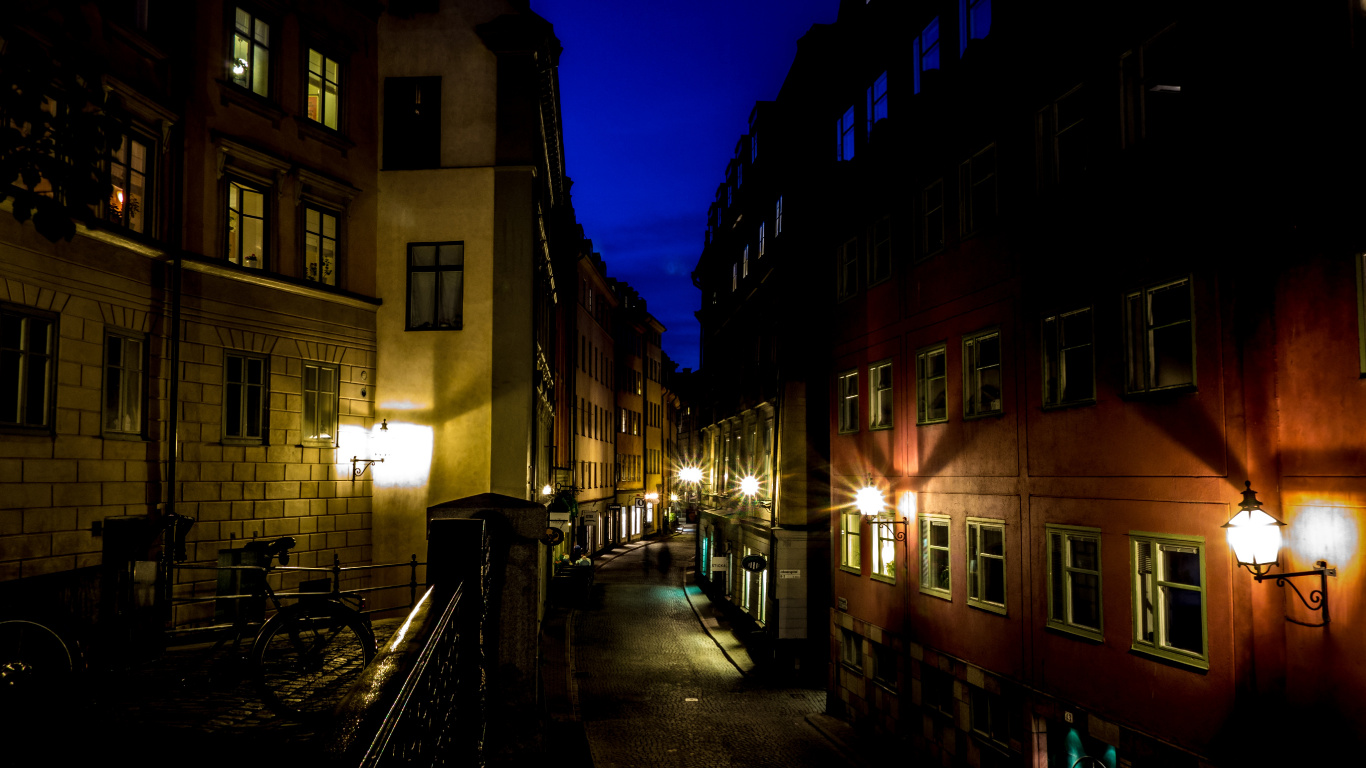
(944, 595)
(889, 580)
(456, 326)
(980, 416)
(1096, 638)
(853, 571)
(851, 668)
(241, 441)
(125, 436)
(320, 133)
(17, 430)
(1066, 406)
(981, 605)
(874, 428)
(1177, 660)
(1159, 392)
(231, 94)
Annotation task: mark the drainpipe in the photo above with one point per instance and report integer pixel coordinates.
(173, 452)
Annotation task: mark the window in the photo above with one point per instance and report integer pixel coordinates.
(753, 147)
(320, 245)
(778, 224)
(246, 225)
(1062, 136)
(130, 171)
(851, 552)
(847, 268)
(244, 398)
(745, 261)
(982, 374)
(930, 386)
(27, 351)
(877, 101)
(734, 276)
(1074, 580)
(851, 649)
(934, 556)
(1168, 574)
(880, 395)
(1160, 337)
(936, 689)
(1069, 373)
(974, 21)
(124, 366)
(995, 716)
(436, 286)
(884, 551)
(761, 239)
(880, 250)
(926, 53)
(412, 123)
(933, 201)
(884, 664)
(844, 139)
(987, 564)
(977, 191)
(250, 65)
(1154, 106)
(320, 403)
(848, 401)
(324, 99)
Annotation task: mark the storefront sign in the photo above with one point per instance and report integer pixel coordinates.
(718, 563)
(559, 517)
(794, 574)
(842, 604)
(754, 563)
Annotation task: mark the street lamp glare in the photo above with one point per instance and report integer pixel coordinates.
(547, 490)
(749, 485)
(868, 500)
(690, 475)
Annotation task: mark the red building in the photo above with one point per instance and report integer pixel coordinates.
(1090, 278)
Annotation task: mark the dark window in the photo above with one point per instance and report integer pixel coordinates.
(244, 398)
(934, 218)
(27, 349)
(846, 275)
(1069, 374)
(880, 251)
(1160, 337)
(412, 122)
(124, 383)
(930, 389)
(436, 286)
(977, 191)
(936, 689)
(320, 403)
(982, 385)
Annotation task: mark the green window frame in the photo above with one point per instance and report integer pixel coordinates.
(884, 550)
(1075, 603)
(880, 405)
(250, 53)
(851, 542)
(847, 391)
(323, 103)
(320, 244)
(1168, 592)
(851, 649)
(931, 385)
(246, 398)
(1159, 332)
(125, 383)
(936, 556)
(1069, 367)
(987, 564)
(320, 387)
(28, 351)
(983, 378)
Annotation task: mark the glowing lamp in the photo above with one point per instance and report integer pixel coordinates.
(378, 449)
(868, 500)
(673, 497)
(1254, 535)
(652, 496)
(690, 475)
(546, 490)
(749, 485)
(239, 66)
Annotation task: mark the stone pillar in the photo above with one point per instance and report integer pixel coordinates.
(516, 600)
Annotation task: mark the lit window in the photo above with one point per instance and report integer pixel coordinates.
(324, 100)
(26, 358)
(1168, 574)
(880, 396)
(982, 374)
(411, 126)
(320, 403)
(246, 225)
(1160, 337)
(244, 398)
(926, 53)
(977, 191)
(1074, 580)
(436, 286)
(130, 172)
(846, 276)
(1069, 374)
(851, 557)
(987, 564)
(761, 238)
(934, 557)
(930, 389)
(320, 245)
(877, 101)
(974, 21)
(884, 552)
(848, 401)
(250, 65)
(123, 384)
(844, 139)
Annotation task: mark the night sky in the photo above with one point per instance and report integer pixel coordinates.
(654, 97)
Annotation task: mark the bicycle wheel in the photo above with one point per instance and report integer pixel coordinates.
(309, 655)
(36, 665)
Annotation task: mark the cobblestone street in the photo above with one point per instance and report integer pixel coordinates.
(654, 688)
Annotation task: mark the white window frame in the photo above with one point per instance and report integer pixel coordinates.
(878, 396)
(926, 525)
(976, 559)
(1154, 590)
(317, 437)
(972, 374)
(847, 405)
(1061, 577)
(130, 373)
(851, 541)
(923, 380)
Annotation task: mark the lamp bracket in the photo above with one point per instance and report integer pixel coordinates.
(1317, 599)
(358, 466)
(898, 535)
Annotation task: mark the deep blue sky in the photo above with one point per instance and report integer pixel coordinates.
(654, 96)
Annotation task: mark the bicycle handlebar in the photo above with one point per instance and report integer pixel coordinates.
(278, 548)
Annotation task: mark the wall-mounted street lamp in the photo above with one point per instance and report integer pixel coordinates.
(673, 497)
(652, 496)
(1255, 537)
(690, 475)
(358, 465)
(547, 489)
(749, 487)
(870, 504)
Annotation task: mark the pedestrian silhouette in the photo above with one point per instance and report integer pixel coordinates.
(645, 560)
(666, 561)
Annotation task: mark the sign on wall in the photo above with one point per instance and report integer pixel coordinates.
(754, 563)
(793, 574)
(718, 563)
